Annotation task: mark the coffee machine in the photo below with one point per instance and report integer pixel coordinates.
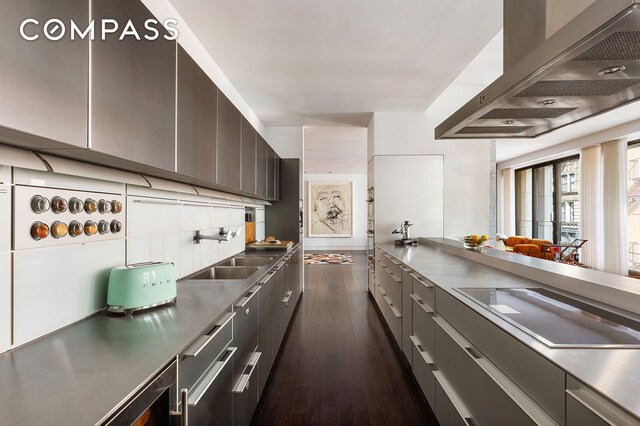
(403, 230)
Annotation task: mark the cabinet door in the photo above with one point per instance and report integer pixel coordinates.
(44, 83)
(271, 161)
(133, 87)
(276, 177)
(261, 167)
(197, 106)
(229, 124)
(266, 328)
(248, 170)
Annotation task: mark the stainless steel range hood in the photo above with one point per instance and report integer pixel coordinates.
(589, 66)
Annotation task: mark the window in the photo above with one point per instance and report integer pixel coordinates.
(548, 200)
(633, 207)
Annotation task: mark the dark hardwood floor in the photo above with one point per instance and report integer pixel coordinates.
(337, 365)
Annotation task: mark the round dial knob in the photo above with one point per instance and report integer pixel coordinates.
(104, 206)
(39, 204)
(116, 206)
(59, 229)
(75, 228)
(90, 206)
(90, 227)
(75, 205)
(58, 205)
(116, 226)
(39, 230)
(103, 227)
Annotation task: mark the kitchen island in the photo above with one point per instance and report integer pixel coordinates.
(545, 382)
(86, 372)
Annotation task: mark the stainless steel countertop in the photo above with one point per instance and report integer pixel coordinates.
(615, 373)
(83, 373)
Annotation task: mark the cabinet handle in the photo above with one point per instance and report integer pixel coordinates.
(164, 203)
(381, 290)
(279, 265)
(286, 298)
(393, 308)
(184, 415)
(423, 352)
(243, 382)
(608, 415)
(404, 268)
(395, 262)
(393, 276)
(264, 281)
(210, 377)
(463, 412)
(202, 341)
(421, 303)
(422, 281)
(245, 299)
(516, 394)
(3, 191)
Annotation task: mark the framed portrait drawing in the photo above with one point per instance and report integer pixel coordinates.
(330, 209)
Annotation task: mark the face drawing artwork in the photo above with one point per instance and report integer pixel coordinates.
(330, 209)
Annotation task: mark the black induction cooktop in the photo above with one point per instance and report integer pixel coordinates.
(558, 320)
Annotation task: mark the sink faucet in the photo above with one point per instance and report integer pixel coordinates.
(223, 235)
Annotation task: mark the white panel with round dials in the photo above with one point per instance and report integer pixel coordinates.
(46, 217)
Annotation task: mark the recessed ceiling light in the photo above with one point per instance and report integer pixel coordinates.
(507, 122)
(547, 102)
(611, 70)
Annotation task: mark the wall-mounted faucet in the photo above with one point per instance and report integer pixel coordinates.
(223, 235)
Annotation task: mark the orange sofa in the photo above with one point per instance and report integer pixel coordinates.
(527, 246)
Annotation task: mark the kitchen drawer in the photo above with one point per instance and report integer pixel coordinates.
(449, 409)
(489, 396)
(407, 314)
(539, 378)
(371, 280)
(198, 356)
(585, 407)
(378, 253)
(391, 315)
(393, 264)
(379, 271)
(392, 285)
(424, 289)
(423, 366)
(424, 328)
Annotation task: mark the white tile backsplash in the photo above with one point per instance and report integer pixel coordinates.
(56, 286)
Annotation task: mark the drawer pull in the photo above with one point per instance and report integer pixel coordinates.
(516, 394)
(393, 308)
(423, 352)
(463, 412)
(264, 281)
(394, 277)
(381, 290)
(404, 268)
(244, 300)
(161, 202)
(421, 303)
(395, 262)
(421, 280)
(609, 415)
(243, 382)
(286, 298)
(202, 341)
(201, 388)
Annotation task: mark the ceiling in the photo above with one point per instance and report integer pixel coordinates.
(338, 150)
(333, 61)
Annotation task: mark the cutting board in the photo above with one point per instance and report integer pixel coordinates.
(282, 245)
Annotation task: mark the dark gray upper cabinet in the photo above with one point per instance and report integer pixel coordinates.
(261, 167)
(133, 87)
(196, 114)
(249, 148)
(276, 177)
(43, 83)
(271, 161)
(229, 143)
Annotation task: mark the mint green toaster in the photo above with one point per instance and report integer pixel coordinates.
(141, 286)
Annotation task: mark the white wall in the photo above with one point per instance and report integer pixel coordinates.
(359, 239)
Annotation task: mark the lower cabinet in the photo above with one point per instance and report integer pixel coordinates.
(586, 408)
(205, 370)
(266, 327)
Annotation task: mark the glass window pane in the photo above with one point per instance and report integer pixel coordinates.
(524, 211)
(544, 202)
(570, 221)
(633, 208)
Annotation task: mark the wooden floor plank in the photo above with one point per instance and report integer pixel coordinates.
(338, 365)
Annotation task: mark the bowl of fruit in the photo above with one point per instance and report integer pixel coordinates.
(473, 240)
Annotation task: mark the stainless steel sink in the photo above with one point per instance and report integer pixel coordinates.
(225, 273)
(247, 261)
